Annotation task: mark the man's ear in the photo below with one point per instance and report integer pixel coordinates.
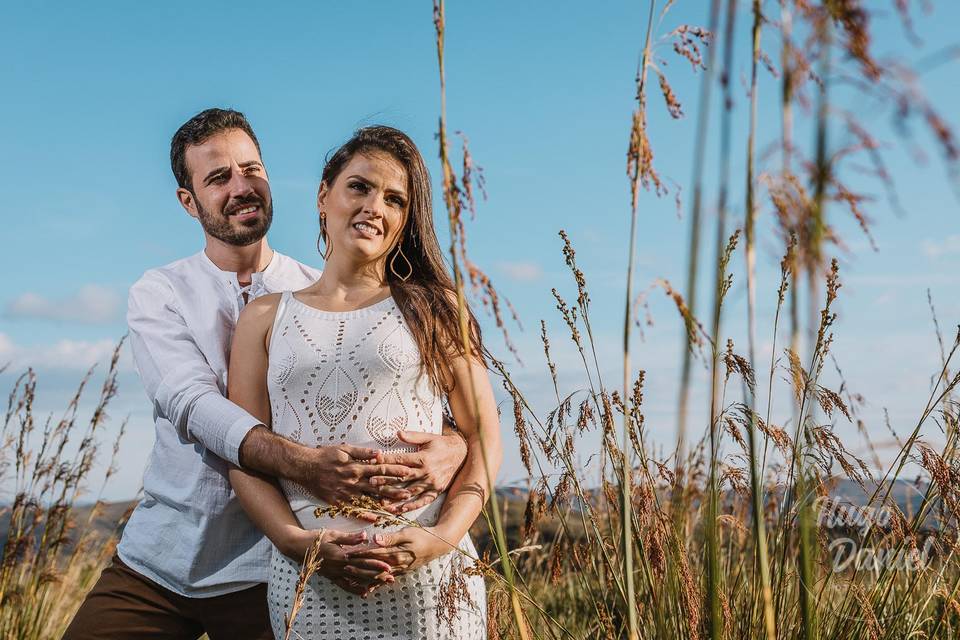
(187, 201)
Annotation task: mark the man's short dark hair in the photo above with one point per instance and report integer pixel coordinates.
(196, 130)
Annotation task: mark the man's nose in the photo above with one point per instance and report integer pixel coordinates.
(241, 185)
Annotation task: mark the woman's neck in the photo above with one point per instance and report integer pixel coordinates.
(350, 282)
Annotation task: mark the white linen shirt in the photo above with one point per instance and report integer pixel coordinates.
(189, 533)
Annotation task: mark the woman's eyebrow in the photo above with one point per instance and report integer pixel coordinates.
(372, 184)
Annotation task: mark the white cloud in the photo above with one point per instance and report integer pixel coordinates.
(521, 271)
(63, 355)
(91, 304)
(936, 248)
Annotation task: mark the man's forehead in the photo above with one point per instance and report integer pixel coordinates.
(223, 148)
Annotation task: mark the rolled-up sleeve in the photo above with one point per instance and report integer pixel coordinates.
(175, 374)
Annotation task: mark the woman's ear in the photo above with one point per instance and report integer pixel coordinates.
(322, 194)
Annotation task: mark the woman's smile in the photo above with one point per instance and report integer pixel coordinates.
(366, 230)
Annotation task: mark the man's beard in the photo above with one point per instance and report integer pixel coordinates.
(220, 226)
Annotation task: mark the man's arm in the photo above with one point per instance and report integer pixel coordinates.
(176, 375)
(185, 391)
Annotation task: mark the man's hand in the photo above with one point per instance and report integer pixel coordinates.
(430, 470)
(337, 474)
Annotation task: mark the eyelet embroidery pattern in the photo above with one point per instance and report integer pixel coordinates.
(325, 393)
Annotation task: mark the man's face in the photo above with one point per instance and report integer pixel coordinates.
(231, 193)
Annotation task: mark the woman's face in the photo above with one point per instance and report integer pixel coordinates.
(365, 207)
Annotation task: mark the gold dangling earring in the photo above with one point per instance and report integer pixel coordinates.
(399, 251)
(324, 253)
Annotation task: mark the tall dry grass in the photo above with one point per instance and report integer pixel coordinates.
(50, 558)
(732, 533)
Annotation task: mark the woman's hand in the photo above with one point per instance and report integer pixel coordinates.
(356, 575)
(405, 550)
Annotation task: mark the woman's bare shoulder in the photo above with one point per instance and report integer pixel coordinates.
(260, 312)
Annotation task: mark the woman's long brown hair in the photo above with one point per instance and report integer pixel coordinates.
(427, 298)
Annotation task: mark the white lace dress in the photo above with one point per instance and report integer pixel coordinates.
(352, 377)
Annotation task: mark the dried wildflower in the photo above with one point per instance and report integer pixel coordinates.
(855, 21)
(561, 494)
(311, 564)
(546, 352)
(768, 63)
(673, 105)
(798, 375)
(452, 594)
(830, 400)
(585, 416)
(520, 425)
(569, 316)
(360, 506)
(695, 331)
(688, 42)
(738, 364)
(556, 563)
(535, 509)
(731, 427)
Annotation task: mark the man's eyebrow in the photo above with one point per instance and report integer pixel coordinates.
(213, 174)
(251, 163)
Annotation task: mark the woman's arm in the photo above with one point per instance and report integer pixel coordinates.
(260, 495)
(472, 484)
(411, 547)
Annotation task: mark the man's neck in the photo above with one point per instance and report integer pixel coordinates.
(243, 261)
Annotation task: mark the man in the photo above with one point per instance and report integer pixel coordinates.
(189, 560)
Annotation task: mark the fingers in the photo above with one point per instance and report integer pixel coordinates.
(388, 539)
(373, 553)
(359, 453)
(367, 575)
(412, 460)
(350, 586)
(368, 564)
(400, 471)
(397, 494)
(366, 516)
(419, 502)
(332, 536)
(417, 437)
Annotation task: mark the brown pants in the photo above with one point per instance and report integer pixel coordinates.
(125, 605)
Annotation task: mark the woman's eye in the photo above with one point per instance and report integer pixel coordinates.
(397, 201)
(358, 186)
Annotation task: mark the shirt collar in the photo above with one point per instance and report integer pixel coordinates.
(258, 279)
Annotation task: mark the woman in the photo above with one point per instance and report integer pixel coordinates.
(370, 349)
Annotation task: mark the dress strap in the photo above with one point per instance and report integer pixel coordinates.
(278, 320)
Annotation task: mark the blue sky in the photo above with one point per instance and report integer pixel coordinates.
(93, 92)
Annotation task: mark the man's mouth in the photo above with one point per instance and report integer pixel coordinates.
(245, 213)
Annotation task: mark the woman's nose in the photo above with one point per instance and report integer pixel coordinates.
(374, 203)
